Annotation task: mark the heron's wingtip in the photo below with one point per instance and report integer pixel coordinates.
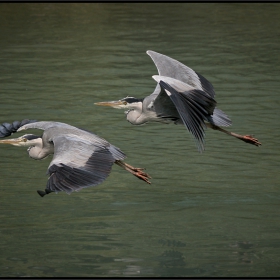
(41, 193)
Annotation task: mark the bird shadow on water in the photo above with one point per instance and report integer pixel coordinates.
(174, 262)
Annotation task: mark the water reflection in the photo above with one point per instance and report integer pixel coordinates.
(131, 268)
(245, 251)
(171, 243)
(171, 259)
(173, 262)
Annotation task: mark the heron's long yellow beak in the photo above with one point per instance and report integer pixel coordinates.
(11, 141)
(110, 103)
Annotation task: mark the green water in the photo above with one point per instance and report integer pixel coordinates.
(211, 214)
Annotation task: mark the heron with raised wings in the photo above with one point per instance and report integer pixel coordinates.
(182, 96)
(81, 159)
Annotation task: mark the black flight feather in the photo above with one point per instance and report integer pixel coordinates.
(194, 107)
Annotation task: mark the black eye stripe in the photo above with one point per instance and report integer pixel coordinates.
(132, 99)
(30, 136)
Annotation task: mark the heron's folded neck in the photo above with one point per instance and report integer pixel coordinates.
(133, 116)
(37, 151)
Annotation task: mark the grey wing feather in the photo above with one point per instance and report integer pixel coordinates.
(172, 68)
(43, 125)
(55, 128)
(78, 163)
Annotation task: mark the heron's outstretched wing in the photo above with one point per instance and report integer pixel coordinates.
(77, 164)
(194, 106)
(172, 68)
(43, 125)
(56, 128)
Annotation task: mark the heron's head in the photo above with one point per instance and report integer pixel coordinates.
(130, 103)
(26, 140)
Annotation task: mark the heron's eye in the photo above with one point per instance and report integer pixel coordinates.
(124, 103)
(24, 139)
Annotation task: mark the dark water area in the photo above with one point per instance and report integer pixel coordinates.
(204, 215)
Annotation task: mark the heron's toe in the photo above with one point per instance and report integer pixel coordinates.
(251, 140)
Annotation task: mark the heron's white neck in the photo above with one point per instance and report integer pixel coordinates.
(133, 115)
(137, 116)
(36, 149)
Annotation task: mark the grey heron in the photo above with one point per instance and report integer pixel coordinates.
(81, 159)
(182, 96)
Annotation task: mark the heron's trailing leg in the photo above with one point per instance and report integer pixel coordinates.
(43, 193)
(246, 138)
(136, 171)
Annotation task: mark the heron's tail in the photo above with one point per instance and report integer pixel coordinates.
(220, 118)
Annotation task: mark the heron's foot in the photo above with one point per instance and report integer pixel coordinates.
(133, 168)
(141, 175)
(136, 171)
(43, 193)
(250, 139)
